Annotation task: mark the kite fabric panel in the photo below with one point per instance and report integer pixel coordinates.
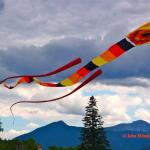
(138, 37)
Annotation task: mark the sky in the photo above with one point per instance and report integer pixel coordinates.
(37, 36)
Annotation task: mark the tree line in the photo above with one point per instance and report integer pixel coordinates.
(29, 144)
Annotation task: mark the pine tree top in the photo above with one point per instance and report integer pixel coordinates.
(93, 135)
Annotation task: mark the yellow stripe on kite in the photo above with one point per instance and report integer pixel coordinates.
(145, 28)
(36, 80)
(99, 61)
(67, 82)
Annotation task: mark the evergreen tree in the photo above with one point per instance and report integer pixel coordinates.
(93, 135)
(1, 129)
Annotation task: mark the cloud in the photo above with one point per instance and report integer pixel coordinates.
(32, 125)
(20, 61)
(129, 82)
(10, 134)
(30, 23)
(46, 31)
(2, 5)
(142, 114)
(114, 102)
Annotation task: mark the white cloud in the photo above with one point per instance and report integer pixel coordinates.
(32, 125)
(142, 114)
(147, 101)
(113, 107)
(12, 133)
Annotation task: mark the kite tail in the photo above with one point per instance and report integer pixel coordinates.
(112, 53)
(138, 37)
(31, 78)
(93, 76)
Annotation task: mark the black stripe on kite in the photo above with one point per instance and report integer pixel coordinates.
(59, 85)
(125, 45)
(90, 66)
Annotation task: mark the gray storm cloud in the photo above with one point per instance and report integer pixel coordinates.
(37, 22)
(1, 5)
(34, 60)
(39, 37)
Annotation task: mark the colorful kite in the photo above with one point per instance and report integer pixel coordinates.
(136, 38)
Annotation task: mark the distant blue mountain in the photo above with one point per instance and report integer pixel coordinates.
(146, 148)
(61, 134)
(57, 133)
(140, 125)
(118, 142)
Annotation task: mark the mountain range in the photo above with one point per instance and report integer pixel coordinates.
(129, 136)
